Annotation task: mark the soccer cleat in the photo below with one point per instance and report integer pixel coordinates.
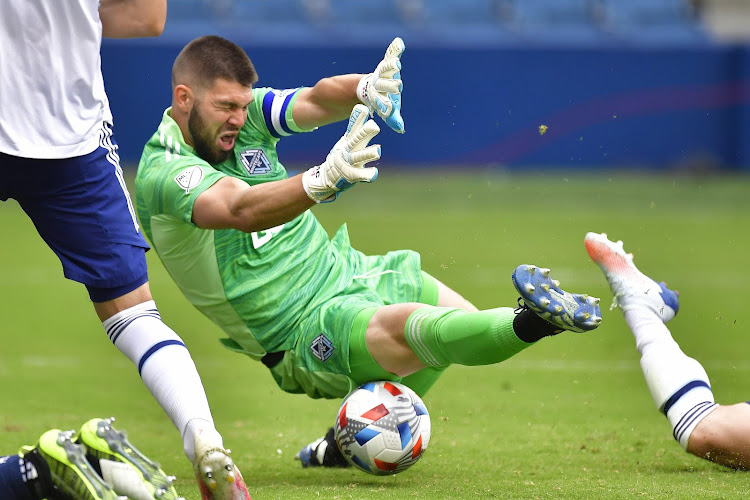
(323, 452)
(543, 295)
(72, 475)
(130, 472)
(631, 288)
(218, 476)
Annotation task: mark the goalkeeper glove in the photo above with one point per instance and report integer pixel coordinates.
(344, 165)
(381, 89)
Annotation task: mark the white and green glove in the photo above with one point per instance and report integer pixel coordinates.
(345, 164)
(381, 89)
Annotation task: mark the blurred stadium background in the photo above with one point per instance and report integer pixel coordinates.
(657, 86)
(647, 83)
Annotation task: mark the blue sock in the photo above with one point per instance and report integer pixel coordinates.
(12, 483)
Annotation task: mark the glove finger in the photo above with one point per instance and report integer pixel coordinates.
(396, 48)
(395, 121)
(368, 154)
(388, 68)
(368, 174)
(383, 105)
(389, 85)
(361, 137)
(360, 114)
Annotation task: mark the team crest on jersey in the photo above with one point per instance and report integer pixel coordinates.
(322, 348)
(189, 178)
(255, 161)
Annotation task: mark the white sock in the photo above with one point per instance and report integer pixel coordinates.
(165, 366)
(678, 384)
(647, 328)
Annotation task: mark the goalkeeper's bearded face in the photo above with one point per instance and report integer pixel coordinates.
(204, 138)
(215, 119)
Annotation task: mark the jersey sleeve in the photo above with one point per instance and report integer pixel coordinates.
(175, 185)
(274, 109)
(184, 185)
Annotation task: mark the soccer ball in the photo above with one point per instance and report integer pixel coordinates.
(382, 428)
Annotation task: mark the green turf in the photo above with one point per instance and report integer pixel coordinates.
(567, 418)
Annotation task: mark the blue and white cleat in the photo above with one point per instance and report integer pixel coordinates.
(631, 288)
(543, 295)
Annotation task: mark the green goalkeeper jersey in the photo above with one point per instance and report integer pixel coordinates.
(255, 286)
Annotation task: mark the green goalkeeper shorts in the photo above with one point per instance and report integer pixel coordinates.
(330, 358)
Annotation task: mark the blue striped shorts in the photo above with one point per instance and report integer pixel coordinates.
(81, 208)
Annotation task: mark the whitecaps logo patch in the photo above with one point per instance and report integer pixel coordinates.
(322, 347)
(189, 178)
(255, 161)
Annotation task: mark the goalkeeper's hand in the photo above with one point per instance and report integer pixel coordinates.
(381, 89)
(345, 164)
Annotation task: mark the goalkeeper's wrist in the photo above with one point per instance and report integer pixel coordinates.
(362, 93)
(315, 188)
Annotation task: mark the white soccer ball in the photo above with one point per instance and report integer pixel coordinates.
(382, 428)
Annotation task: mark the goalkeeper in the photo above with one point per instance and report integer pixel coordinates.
(237, 236)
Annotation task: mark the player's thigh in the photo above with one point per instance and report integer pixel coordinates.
(323, 341)
(81, 208)
(358, 335)
(334, 344)
(366, 368)
(363, 366)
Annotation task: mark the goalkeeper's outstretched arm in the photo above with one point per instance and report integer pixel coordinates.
(231, 203)
(331, 99)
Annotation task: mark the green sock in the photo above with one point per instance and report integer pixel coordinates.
(440, 336)
(421, 381)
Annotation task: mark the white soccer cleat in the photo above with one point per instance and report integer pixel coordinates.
(218, 477)
(631, 288)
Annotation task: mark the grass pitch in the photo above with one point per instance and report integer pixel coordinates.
(570, 417)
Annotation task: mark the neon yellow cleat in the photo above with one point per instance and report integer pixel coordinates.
(130, 472)
(70, 471)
